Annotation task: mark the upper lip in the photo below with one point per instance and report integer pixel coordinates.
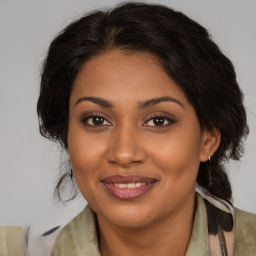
(128, 179)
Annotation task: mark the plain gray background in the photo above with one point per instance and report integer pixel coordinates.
(29, 164)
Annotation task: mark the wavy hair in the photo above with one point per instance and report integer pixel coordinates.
(186, 52)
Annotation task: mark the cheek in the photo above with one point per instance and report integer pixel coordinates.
(83, 148)
(179, 155)
(86, 154)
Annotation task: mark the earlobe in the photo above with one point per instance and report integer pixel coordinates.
(210, 143)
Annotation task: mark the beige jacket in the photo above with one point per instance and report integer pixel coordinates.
(11, 241)
(79, 237)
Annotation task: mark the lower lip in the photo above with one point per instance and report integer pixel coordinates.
(128, 193)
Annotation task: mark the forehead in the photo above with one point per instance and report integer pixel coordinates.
(125, 76)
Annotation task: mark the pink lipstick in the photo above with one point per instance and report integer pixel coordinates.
(128, 187)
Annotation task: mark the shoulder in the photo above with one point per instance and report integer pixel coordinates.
(78, 237)
(83, 221)
(59, 239)
(245, 236)
(11, 240)
(245, 224)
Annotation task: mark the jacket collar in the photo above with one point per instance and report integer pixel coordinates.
(79, 237)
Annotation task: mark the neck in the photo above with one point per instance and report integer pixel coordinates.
(169, 236)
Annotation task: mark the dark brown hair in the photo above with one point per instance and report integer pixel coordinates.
(186, 52)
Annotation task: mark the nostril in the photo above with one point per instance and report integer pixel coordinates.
(125, 150)
(125, 160)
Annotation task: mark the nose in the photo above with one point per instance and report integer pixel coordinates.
(126, 148)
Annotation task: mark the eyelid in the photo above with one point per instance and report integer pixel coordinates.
(163, 115)
(89, 115)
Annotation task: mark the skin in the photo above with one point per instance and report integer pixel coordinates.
(128, 142)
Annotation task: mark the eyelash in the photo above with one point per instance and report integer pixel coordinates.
(94, 116)
(153, 118)
(164, 118)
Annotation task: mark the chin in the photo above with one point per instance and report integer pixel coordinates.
(129, 215)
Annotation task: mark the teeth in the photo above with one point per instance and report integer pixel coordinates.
(129, 185)
(139, 184)
(120, 185)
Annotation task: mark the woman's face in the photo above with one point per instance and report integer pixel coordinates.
(134, 140)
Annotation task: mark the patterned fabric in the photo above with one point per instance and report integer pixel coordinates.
(221, 228)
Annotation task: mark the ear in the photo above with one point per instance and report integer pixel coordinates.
(210, 143)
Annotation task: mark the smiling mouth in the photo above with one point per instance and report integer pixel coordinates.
(128, 187)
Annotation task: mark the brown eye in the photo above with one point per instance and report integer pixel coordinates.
(159, 121)
(95, 121)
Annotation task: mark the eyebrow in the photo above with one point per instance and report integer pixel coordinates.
(99, 101)
(152, 102)
(108, 104)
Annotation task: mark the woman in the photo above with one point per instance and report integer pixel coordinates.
(147, 108)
